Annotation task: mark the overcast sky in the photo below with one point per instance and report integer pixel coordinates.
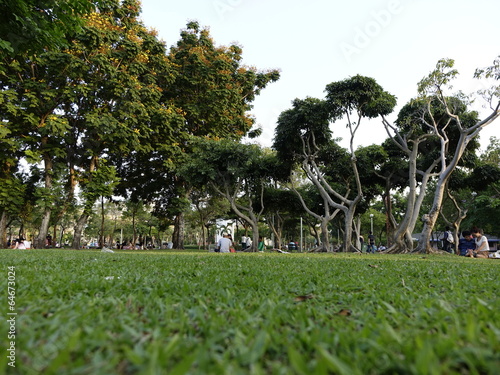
(316, 42)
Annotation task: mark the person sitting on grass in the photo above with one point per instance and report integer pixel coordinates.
(466, 243)
(20, 244)
(225, 244)
(482, 249)
(261, 247)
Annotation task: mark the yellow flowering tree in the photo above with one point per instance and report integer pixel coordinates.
(98, 98)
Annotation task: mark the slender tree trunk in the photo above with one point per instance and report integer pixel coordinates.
(348, 220)
(70, 195)
(276, 224)
(102, 236)
(61, 236)
(82, 220)
(314, 233)
(203, 236)
(461, 214)
(389, 223)
(3, 230)
(251, 219)
(325, 239)
(44, 226)
(430, 219)
(446, 171)
(357, 233)
(134, 233)
(77, 235)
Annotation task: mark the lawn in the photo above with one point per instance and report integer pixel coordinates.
(87, 312)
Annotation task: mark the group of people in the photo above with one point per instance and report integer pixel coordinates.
(474, 244)
(225, 244)
(17, 244)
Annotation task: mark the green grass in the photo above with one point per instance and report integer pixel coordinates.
(200, 313)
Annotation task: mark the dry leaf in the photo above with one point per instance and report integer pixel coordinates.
(303, 298)
(345, 312)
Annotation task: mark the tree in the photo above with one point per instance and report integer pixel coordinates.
(238, 172)
(483, 191)
(208, 207)
(281, 205)
(215, 92)
(100, 96)
(12, 189)
(308, 123)
(393, 178)
(301, 133)
(34, 26)
(125, 67)
(439, 119)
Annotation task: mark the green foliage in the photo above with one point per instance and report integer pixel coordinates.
(225, 164)
(300, 128)
(32, 26)
(439, 79)
(359, 94)
(12, 192)
(199, 313)
(101, 183)
(211, 86)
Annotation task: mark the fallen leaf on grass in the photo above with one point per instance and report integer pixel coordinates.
(303, 298)
(345, 312)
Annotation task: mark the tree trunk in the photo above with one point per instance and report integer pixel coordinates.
(389, 223)
(3, 230)
(48, 169)
(424, 245)
(44, 228)
(203, 236)
(348, 220)
(61, 236)
(255, 236)
(80, 225)
(357, 233)
(77, 235)
(446, 171)
(70, 195)
(178, 235)
(276, 224)
(102, 236)
(325, 240)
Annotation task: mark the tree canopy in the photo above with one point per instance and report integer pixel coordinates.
(96, 109)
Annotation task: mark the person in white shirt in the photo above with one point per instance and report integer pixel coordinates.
(482, 247)
(20, 244)
(225, 244)
(248, 243)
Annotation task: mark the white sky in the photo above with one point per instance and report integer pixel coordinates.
(313, 43)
